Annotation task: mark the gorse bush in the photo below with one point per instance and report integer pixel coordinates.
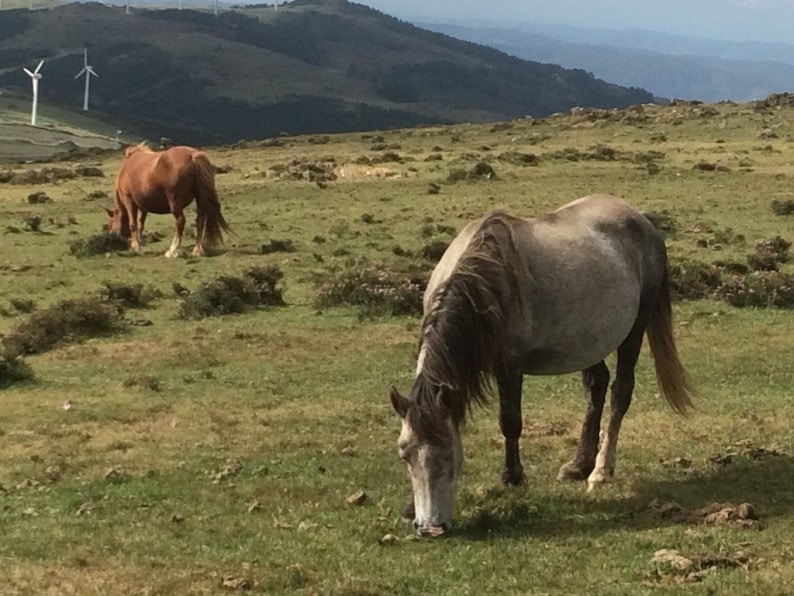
(760, 289)
(258, 286)
(783, 206)
(64, 322)
(690, 280)
(129, 296)
(769, 254)
(98, 244)
(373, 286)
(13, 369)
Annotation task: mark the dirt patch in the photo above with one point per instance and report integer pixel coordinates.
(351, 172)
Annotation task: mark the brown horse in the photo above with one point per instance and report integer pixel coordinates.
(167, 182)
(544, 296)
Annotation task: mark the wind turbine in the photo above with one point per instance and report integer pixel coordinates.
(88, 71)
(35, 77)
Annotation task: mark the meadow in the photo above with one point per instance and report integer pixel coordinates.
(257, 451)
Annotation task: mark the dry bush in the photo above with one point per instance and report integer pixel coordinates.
(760, 289)
(64, 322)
(769, 254)
(374, 286)
(129, 296)
(690, 280)
(258, 286)
(783, 206)
(98, 244)
(13, 369)
(278, 246)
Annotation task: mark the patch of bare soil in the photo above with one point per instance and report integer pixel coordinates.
(714, 514)
(352, 172)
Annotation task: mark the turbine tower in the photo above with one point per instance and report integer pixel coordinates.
(35, 77)
(88, 71)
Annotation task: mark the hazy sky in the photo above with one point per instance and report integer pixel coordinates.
(761, 20)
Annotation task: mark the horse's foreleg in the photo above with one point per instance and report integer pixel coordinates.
(622, 390)
(201, 222)
(511, 424)
(595, 381)
(179, 229)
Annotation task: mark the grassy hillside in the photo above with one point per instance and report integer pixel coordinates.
(254, 72)
(171, 455)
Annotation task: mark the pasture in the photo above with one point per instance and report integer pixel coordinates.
(229, 453)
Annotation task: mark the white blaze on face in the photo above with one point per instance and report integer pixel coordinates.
(433, 470)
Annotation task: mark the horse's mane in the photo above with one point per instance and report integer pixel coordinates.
(464, 330)
(139, 148)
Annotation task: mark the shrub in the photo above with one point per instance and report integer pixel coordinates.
(783, 206)
(769, 254)
(226, 294)
(129, 296)
(372, 285)
(13, 369)
(690, 280)
(66, 321)
(278, 246)
(760, 289)
(434, 250)
(98, 244)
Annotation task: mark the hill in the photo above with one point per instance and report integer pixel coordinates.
(311, 66)
(666, 65)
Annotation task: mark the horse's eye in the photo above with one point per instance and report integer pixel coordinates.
(403, 451)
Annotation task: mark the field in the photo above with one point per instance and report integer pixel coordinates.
(203, 456)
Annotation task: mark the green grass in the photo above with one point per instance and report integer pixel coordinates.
(285, 410)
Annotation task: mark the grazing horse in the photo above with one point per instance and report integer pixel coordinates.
(544, 296)
(166, 182)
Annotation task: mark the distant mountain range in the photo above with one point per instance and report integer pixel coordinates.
(312, 66)
(667, 65)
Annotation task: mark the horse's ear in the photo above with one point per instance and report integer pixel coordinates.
(398, 402)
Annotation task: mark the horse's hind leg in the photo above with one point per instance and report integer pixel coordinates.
(179, 224)
(595, 381)
(511, 424)
(135, 227)
(201, 223)
(622, 389)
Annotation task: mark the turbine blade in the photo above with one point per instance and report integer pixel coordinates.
(91, 71)
(85, 57)
(38, 68)
(30, 74)
(79, 74)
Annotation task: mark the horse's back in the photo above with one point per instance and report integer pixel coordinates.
(591, 263)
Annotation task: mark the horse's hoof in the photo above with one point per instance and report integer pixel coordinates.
(572, 471)
(513, 478)
(172, 254)
(598, 478)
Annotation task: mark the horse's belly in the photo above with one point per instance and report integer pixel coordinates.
(571, 336)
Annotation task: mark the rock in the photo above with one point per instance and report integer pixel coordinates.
(39, 196)
(357, 498)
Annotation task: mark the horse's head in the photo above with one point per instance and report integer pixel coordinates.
(434, 455)
(118, 223)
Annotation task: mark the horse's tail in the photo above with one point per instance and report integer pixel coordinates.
(207, 200)
(670, 374)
